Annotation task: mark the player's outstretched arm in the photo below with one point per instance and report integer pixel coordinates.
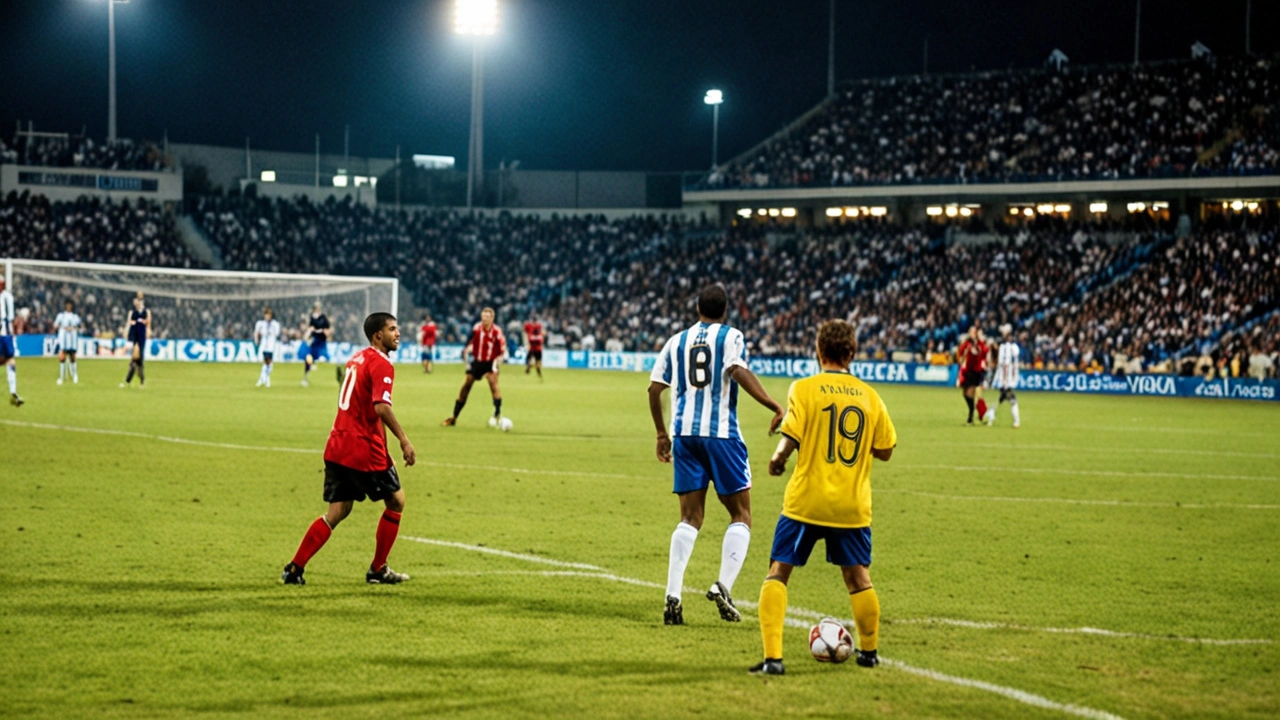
(778, 463)
(751, 384)
(663, 450)
(389, 419)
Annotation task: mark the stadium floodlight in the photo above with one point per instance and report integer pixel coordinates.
(952, 211)
(111, 68)
(339, 180)
(1062, 208)
(878, 211)
(966, 211)
(714, 98)
(1238, 205)
(476, 18)
(933, 211)
(268, 176)
(834, 212)
(745, 212)
(791, 212)
(1028, 212)
(1097, 207)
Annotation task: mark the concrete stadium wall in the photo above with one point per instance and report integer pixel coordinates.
(66, 184)
(226, 166)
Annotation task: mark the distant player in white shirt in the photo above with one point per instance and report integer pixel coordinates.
(7, 352)
(703, 366)
(1006, 379)
(68, 326)
(267, 335)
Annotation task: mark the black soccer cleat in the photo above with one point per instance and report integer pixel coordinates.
(292, 575)
(768, 667)
(16, 401)
(867, 658)
(719, 594)
(673, 614)
(385, 576)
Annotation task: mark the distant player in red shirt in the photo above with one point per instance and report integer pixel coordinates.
(356, 461)
(973, 368)
(486, 348)
(534, 337)
(428, 342)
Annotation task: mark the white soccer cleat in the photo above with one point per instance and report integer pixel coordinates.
(305, 383)
(59, 381)
(493, 422)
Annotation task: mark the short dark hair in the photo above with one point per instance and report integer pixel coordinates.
(713, 301)
(376, 323)
(837, 341)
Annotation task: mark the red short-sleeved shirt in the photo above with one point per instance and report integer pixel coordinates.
(429, 334)
(973, 355)
(487, 345)
(533, 331)
(358, 440)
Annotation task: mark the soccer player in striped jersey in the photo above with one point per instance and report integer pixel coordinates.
(704, 366)
(838, 423)
(482, 356)
(266, 333)
(534, 336)
(67, 323)
(7, 352)
(1006, 380)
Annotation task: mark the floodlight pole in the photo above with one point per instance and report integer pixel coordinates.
(1137, 31)
(831, 50)
(475, 155)
(715, 135)
(111, 70)
(1248, 36)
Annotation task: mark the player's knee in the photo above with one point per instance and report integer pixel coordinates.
(395, 503)
(857, 577)
(692, 517)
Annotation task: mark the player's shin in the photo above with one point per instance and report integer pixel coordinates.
(497, 407)
(75, 371)
(773, 612)
(12, 374)
(682, 540)
(866, 615)
(1013, 409)
(733, 553)
(317, 535)
(388, 529)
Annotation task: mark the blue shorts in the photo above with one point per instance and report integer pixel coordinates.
(793, 541)
(700, 461)
(319, 351)
(6, 347)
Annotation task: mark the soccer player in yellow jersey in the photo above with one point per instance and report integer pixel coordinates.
(838, 424)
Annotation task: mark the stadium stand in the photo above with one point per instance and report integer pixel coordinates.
(84, 152)
(1211, 116)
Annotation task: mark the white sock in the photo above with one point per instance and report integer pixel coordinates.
(262, 376)
(681, 549)
(269, 368)
(13, 379)
(75, 372)
(62, 370)
(733, 553)
(1013, 408)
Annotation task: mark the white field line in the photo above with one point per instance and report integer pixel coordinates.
(1012, 693)
(1075, 631)
(1094, 473)
(1072, 501)
(1118, 451)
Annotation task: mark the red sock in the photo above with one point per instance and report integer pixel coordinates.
(388, 528)
(317, 535)
(982, 408)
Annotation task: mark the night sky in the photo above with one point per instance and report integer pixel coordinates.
(570, 84)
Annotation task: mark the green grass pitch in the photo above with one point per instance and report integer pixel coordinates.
(140, 572)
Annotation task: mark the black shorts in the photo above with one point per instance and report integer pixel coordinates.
(268, 357)
(342, 484)
(1007, 395)
(478, 369)
(535, 355)
(971, 378)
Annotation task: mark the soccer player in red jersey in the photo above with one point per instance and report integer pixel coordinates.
(356, 461)
(534, 336)
(486, 348)
(973, 367)
(428, 342)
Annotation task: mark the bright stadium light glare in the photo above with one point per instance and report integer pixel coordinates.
(1014, 211)
(1062, 208)
(1028, 212)
(1044, 209)
(1237, 205)
(966, 212)
(762, 211)
(933, 211)
(791, 212)
(774, 212)
(1253, 206)
(268, 176)
(835, 212)
(744, 212)
(1137, 207)
(851, 212)
(339, 180)
(879, 211)
(952, 211)
(1158, 205)
(475, 17)
(1097, 207)
(713, 97)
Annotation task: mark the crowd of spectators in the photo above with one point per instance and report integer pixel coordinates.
(84, 152)
(1204, 116)
(1171, 313)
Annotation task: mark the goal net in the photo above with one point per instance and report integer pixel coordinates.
(193, 304)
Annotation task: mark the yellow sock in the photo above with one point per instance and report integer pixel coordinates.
(866, 615)
(773, 610)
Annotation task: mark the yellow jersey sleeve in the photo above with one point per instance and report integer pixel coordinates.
(837, 419)
(793, 423)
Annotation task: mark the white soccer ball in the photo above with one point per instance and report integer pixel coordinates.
(829, 641)
(506, 424)
(493, 422)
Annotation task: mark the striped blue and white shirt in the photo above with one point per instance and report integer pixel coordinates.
(6, 313)
(68, 326)
(696, 364)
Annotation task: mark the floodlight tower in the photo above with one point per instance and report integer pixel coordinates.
(111, 68)
(714, 98)
(476, 18)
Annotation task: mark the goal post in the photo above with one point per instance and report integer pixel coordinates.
(193, 304)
